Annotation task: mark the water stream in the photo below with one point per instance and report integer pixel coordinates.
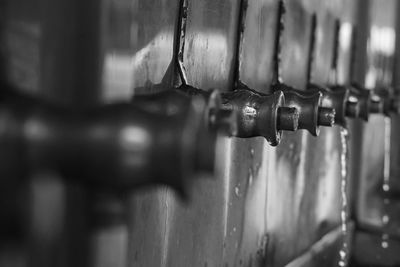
(386, 185)
(344, 139)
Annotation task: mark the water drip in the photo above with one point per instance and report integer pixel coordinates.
(237, 191)
(386, 185)
(344, 138)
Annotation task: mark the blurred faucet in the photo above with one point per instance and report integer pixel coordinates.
(261, 115)
(367, 103)
(117, 146)
(170, 101)
(339, 99)
(362, 102)
(389, 101)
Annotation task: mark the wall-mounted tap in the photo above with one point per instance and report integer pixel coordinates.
(312, 112)
(116, 146)
(261, 115)
(241, 113)
(257, 114)
(337, 98)
(389, 101)
(365, 102)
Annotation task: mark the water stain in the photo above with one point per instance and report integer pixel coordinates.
(386, 185)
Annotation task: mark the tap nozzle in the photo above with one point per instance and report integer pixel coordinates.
(377, 104)
(366, 104)
(388, 99)
(336, 98)
(258, 114)
(326, 116)
(311, 113)
(288, 119)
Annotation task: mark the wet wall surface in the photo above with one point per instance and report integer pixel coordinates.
(197, 230)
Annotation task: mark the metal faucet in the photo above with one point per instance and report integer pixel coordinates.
(258, 114)
(261, 115)
(337, 98)
(175, 100)
(368, 101)
(312, 112)
(242, 113)
(389, 101)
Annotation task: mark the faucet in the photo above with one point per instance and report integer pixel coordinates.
(312, 112)
(242, 113)
(118, 146)
(337, 98)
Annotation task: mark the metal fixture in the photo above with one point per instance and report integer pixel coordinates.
(175, 100)
(362, 102)
(389, 101)
(312, 112)
(241, 113)
(337, 98)
(115, 146)
(368, 101)
(261, 115)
